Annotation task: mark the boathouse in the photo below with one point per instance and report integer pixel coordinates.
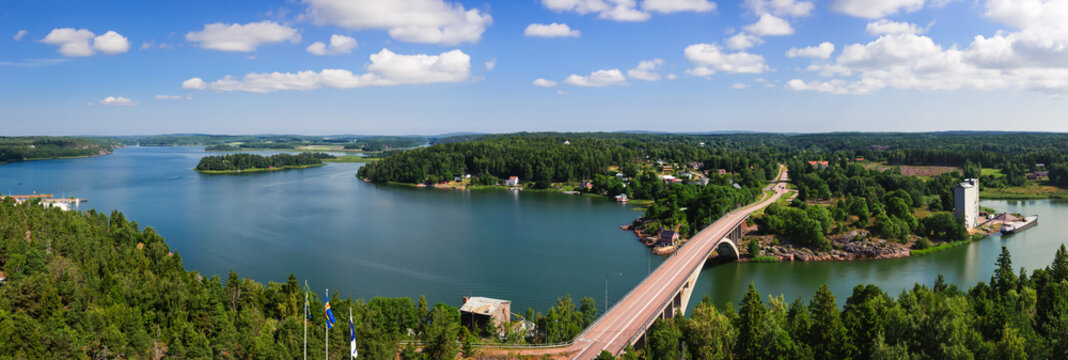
(476, 311)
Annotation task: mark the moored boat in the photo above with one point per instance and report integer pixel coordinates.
(1018, 226)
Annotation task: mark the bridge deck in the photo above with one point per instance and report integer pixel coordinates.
(629, 318)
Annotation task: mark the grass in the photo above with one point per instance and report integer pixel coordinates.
(255, 170)
(1031, 190)
(946, 246)
(351, 159)
(990, 172)
(764, 259)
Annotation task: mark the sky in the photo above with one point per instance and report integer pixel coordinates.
(322, 67)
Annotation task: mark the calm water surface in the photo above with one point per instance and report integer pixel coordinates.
(367, 240)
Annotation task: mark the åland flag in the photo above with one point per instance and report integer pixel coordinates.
(330, 320)
(352, 337)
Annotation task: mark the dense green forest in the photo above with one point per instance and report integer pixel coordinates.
(88, 285)
(244, 162)
(239, 142)
(47, 147)
(1015, 315)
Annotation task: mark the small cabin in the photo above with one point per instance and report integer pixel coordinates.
(512, 181)
(668, 237)
(477, 311)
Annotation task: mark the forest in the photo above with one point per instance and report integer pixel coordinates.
(239, 142)
(245, 162)
(47, 147)
(90, 285)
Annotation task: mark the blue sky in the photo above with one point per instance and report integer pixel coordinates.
(423, 66)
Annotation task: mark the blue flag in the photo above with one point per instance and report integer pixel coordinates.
(352, 337)
(329, 316)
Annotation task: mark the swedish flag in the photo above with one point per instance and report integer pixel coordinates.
(329, 316)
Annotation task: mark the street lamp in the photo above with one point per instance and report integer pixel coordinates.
(606, 275)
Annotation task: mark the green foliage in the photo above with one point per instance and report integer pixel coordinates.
(664, 340)
(48, 147)
(237, 162)
(943, 226)
(804, 226)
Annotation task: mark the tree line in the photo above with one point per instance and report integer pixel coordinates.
(235, 162)
(47, 147)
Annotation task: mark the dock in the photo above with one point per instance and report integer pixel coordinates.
(47, 200)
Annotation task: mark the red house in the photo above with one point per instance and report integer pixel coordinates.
(668, 237)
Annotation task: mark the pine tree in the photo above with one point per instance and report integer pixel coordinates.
(750, 325)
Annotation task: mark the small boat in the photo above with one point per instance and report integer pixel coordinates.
(1018, 226)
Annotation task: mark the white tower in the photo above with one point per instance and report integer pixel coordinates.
(966, 202)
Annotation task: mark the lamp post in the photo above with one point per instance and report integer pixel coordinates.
(606, 275)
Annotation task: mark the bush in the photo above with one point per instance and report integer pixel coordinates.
(921, 244)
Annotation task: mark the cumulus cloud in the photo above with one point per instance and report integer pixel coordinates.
(544, 82)
(628, 10)
(710, 58)
(117, 101)
(646, 70)
(386, 69)
(76, 42)
(770, 25)
(418, 21)
(670, 6)
(1032, 58)
(885, 27)
(743, 40)
(550, 30)
(174, 97)
(598, 78)
(739, 86)
(875, 9)
(111, 43)
(822, 51)
(242, 38)
(18, 36)
(339, 44)
(791, 8)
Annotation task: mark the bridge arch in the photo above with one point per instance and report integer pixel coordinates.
(727, 247)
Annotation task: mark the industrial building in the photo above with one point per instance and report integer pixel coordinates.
(966, 202)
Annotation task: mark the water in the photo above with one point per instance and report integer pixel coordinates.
(367, 240)
(964, 266)
(361, 239)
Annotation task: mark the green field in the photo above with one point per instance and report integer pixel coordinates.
(1032, 190)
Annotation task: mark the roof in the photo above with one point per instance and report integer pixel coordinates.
(2, 275)
(483, 305)
(667, 233)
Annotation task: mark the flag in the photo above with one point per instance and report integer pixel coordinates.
(352, 337)
(330, 320)
(307, 303)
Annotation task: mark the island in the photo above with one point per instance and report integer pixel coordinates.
(25, 148)
(249, 163)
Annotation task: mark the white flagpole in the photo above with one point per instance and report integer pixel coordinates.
(326, 334)
(305, 317)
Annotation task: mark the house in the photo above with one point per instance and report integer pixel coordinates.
(477, 311)
(567, 142)
(819, 164)
(1032, 176)
(722, 171)
(458, 178)
(667, 178)
(860, 159)
(622, 198)
(588, 185)
(1040, 165)
(620, 175)
(2, 278)
(702, 181)
(668, 237)
(1042, 173)
(686, 174)
(512, 181)
(668, 168)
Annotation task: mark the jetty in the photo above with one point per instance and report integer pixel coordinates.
(47, 200)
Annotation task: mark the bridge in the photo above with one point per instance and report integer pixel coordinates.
(666, 292)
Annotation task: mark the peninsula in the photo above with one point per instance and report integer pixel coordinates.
(248, 163)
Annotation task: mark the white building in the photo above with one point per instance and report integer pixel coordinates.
(512, 181)
(966, 202)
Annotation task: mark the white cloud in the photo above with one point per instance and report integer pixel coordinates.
(628, 10)
(18, 36)
(743, 40)
(71, 42)
(770, 25)
(561, 92)
(174, 97)
(823, 51)
(671, 76)
(386, 69)
(194, 84)
(418, 21)
(780, 7)
(491, 64)
(886, 27)
(710, 58)
(544, 82)
(550, 30)
(339, 44)
(739, 86)
(111, 43)
(875, 9)
(646, 70)
(598, 78)
(671, 6)
(242, 38)
(117, 101)
(145, 45)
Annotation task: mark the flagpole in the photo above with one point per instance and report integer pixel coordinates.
(326, 334)
(305, 317)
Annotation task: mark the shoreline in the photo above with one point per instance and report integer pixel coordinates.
(256, 170)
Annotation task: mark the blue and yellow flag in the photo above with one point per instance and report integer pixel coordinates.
(329, 316)
(307, 302)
